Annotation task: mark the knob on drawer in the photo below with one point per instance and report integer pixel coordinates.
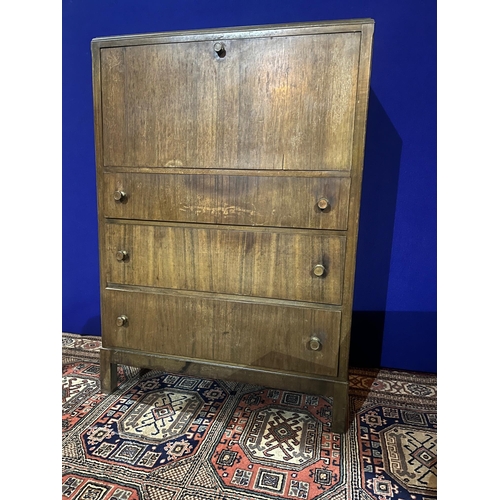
(121, 255)
(315, 343)
(119, 195)
(319, 270)
(122, 320)
(323, 203)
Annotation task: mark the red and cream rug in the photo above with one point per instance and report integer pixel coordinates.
(163, 436)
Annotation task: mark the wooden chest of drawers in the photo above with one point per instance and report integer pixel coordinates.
(229, 165)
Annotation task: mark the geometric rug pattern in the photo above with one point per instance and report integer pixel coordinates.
(164, 436)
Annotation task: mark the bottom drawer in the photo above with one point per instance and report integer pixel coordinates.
(282, 337)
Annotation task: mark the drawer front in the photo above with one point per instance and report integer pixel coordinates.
(253, 334)
(260, 106)
(307, 202)
(260, 263)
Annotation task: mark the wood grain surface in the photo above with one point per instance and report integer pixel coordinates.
(281, 201)
(229, 171)
(254, 262)
(253, 334)
(261, 106)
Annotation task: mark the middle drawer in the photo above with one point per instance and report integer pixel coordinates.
(282, 264)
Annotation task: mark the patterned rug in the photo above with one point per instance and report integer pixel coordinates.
(163, 436)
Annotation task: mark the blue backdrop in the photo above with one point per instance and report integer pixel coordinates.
(394, 321)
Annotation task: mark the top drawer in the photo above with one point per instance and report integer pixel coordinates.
(272, 200)
(251, 103)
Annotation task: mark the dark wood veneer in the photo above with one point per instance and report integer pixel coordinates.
(229, 166)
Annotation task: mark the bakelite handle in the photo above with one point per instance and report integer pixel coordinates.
(121, 255)
(319, 270)
(323, 203)
(119, 195)
(315, 343)
(121, 320)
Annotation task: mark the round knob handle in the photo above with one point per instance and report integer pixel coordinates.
(220, 49)
(323, 203)
(315, 343)
(122, 255)
(119, 195)
(319, 270)
(121, 320)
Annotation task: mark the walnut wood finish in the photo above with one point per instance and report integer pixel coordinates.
(302, 382)
(281, 201)
(251, 262)
(224, 330)
(229, 167)
(109, 376)
(260, 106)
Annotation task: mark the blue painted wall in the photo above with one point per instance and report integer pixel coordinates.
(394, 323)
